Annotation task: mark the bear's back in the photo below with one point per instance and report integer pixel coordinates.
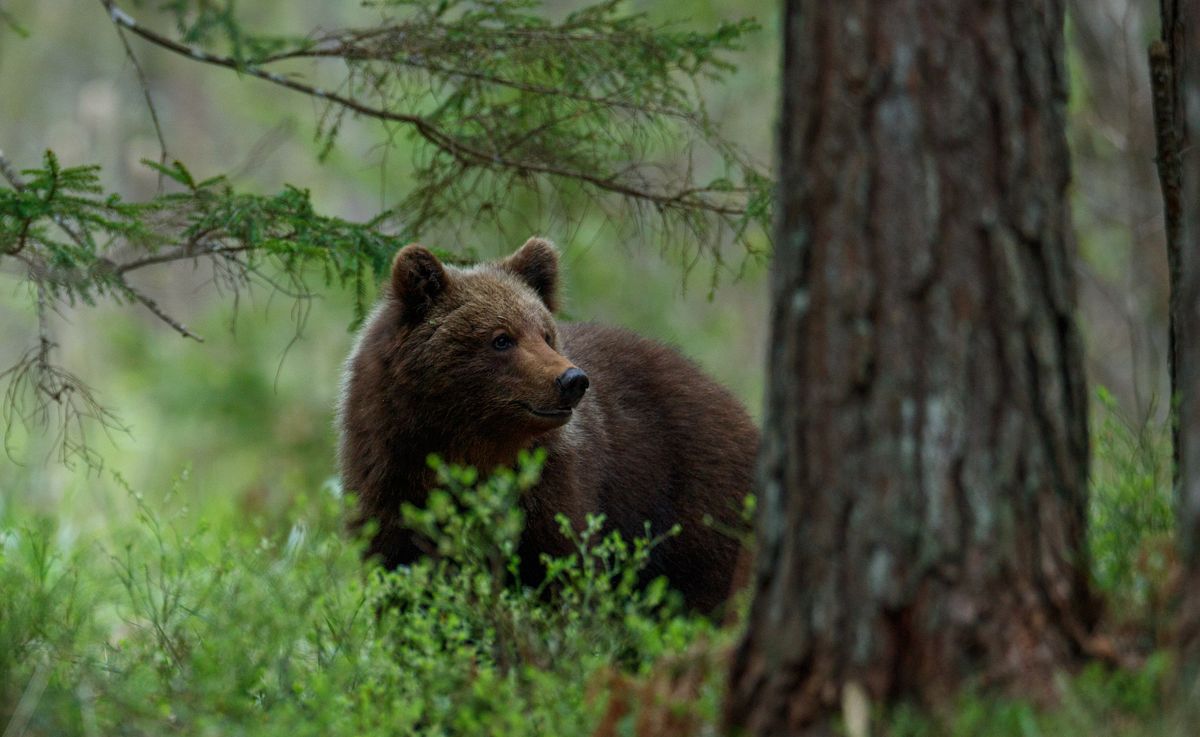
(657, 439)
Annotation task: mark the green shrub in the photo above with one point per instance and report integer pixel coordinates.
(1099, 702)
(1131, 513)
(194, 627)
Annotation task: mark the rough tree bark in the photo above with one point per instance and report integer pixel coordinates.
(923, 480)
(1175, 65)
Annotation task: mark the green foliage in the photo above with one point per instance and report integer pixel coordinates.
(42, 606)
(591, 596)
(57, 202)
(509, 109)
(201, 627)
(1099, 702)
(238, 625)
(82, 242)
(594, 105)
(1131, 514)
(505, 99)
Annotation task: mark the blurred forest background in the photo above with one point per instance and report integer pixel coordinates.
(250, 409)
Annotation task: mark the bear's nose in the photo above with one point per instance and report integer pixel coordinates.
(573, 383)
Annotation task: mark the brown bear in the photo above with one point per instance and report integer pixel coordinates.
(469, 363)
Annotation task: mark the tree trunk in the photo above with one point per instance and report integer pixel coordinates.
(923, 483)
(1169, 133)
(1176, 68)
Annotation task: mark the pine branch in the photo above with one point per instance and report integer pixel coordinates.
(74, 243)
(125, 21)
(503, 151)
(151, 305)
(41, 272)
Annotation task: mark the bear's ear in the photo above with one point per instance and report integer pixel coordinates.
(417, 279)
(536, 264)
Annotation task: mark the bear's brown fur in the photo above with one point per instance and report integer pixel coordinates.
(469, 363)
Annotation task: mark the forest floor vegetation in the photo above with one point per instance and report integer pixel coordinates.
(171, 624)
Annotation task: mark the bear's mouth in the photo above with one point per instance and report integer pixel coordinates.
(550, 414)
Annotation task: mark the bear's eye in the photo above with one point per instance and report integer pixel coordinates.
(548, 339)
(503, 342)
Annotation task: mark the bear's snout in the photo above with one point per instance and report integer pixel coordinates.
(573, 383)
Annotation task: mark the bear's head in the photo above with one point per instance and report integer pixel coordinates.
(479, 345)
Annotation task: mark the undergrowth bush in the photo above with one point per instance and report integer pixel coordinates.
(1099, 702)
(190, 627)
(1131, 518)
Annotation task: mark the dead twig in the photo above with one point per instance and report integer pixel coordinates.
(10, 175)
(145, 84)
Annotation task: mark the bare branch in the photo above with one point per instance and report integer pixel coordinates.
(145, 83)
(151, 305)
(9, 174)
(187, 252)
(38, 388)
